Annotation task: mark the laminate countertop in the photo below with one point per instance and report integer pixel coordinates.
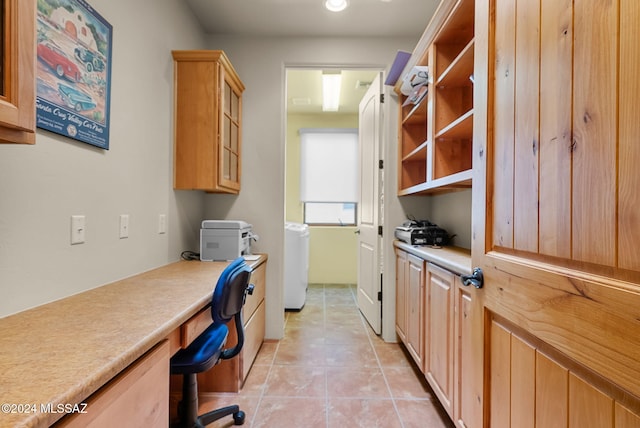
(64, 351)
(455, 259)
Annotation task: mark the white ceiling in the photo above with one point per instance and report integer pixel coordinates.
(309, 18)
(304, 90)
(362, 18)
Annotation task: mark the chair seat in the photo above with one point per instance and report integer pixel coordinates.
(203, 353)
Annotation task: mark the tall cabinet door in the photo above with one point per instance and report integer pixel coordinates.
(401, 294)
(416, 308)
(555, 218)
(439, 358)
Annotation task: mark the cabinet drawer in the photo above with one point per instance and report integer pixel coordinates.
(258, 279)
(195, 326)
(136, 397)
(254, 336)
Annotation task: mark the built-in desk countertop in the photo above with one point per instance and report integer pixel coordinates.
(64, 351)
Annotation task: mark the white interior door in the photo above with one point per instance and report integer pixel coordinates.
(369, 279)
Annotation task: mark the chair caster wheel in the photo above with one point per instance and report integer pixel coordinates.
(238, 418)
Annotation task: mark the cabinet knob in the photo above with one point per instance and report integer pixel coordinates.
(476, 278)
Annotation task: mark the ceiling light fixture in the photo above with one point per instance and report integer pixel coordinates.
(335, 5)
(331, 82)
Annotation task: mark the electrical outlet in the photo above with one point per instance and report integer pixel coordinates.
(162, 224)
(77, 229)
(124, 226)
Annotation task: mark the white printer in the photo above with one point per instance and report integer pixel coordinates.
(225, 239)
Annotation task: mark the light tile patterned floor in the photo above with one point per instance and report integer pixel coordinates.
(331, 371)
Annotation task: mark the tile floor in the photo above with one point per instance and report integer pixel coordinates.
(330, 370)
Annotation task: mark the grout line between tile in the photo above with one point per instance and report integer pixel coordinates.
(384, 376)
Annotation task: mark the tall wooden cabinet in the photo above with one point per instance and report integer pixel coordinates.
(435, 134)
(552, 339)
(555, 214)
(208, 122)
(18, 72)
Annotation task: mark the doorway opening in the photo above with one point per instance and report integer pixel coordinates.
(333, 257)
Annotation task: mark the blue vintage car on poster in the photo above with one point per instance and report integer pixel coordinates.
(73, 97)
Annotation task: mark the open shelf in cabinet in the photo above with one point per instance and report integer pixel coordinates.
(452, 105)
(415, 114)
(414, 138)
(413, 172)
(460, 70)
(461, 127)
(451, 157)
(455, 34)
(436, 136)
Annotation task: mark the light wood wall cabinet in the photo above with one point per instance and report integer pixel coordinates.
(555, 213)
(17, 73)
(208, 122)
(433, 318)
(435, 135)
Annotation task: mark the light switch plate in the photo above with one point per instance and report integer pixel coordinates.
(162, 224)
(77, 229)
(124, 226)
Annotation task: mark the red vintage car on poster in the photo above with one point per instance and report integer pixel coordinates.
(55, 58)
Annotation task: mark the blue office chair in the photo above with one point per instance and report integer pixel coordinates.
(208, 349)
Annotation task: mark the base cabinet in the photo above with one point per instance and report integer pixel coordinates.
(229, 375)
(433, 320)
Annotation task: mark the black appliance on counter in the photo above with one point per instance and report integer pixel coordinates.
(422, 232)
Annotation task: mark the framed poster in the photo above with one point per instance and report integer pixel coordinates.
(74, 71)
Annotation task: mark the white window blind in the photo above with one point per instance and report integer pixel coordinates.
(328, 165)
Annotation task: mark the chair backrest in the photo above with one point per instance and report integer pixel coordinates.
(229, 294)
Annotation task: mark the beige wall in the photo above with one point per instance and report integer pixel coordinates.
(261, 63)
(332, 250)
(42, 186)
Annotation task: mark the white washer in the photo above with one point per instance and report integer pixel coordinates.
(296, 265)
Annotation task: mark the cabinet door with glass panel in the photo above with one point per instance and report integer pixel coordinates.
(208, 122)
(229, 173)
(17, 71)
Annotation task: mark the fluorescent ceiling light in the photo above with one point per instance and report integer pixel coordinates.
(335, 5)
(331, 91)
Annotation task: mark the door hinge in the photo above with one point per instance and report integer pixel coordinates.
(379, 296)
(381, 164)
(381, 98)
(380, 230)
